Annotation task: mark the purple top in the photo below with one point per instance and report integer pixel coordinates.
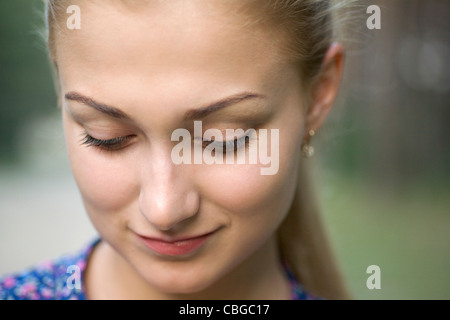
(57, 280)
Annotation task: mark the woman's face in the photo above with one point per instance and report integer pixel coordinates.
(154, 64)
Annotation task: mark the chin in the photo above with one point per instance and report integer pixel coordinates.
(181, 283)
(188, 286)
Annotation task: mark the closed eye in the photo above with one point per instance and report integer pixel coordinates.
(108, 144)
(230, 145)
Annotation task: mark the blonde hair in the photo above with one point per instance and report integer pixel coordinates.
(311, 27)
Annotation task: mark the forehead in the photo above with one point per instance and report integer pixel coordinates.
(172, 44)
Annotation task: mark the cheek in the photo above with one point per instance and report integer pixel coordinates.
(105, 182)
(247, 194)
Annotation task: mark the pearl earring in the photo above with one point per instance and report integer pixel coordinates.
(307, 149)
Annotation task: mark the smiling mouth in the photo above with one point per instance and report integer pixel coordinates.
(180, 247)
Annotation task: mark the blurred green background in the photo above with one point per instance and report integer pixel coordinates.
(382, 158)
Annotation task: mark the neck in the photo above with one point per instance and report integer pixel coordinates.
(259, 277)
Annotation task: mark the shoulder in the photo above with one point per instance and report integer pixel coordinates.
(48, 280)
(298, 292)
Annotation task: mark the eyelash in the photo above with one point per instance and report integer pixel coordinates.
(120, 142)
(233, 145)
(109, 144)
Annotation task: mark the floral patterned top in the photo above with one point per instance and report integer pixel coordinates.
(60, 279)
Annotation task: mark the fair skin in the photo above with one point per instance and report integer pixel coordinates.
(166, 62)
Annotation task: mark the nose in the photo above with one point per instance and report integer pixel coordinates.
(167, 196)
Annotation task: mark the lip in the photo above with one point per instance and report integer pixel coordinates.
(176, 247)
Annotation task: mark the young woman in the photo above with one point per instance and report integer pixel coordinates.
(132, 74)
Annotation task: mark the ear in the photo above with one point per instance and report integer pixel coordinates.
(324, 90)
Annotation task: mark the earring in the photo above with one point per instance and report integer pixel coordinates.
(307, 149)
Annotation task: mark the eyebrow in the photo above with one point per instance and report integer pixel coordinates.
(189, 115)
(104, 108)
(234, 99)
